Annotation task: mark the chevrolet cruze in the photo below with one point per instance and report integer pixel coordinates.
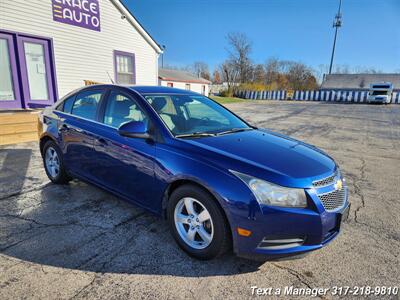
(218, 181)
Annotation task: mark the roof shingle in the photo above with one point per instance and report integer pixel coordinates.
(182, 76)
(358, 81)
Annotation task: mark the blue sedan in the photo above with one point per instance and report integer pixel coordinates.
(219, 181)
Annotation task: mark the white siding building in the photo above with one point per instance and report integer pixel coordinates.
(183, 80)
(50, 47)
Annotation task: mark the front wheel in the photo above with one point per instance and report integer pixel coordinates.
(54, 164)
(197, 223)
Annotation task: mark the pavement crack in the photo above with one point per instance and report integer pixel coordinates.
(358, 190)
(287, 115)
(41, 224)
(299, 276)
(86, 261)
(84, 288)
(75, 248)
(19, 242)
(25, 219)
(21, 192)
(131, 218)
(125, 244)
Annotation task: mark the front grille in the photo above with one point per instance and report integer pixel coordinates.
(325, 181)
(333, 200)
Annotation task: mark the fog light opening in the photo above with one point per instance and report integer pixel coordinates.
(278, 244)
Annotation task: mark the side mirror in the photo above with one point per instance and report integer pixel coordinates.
(134, 129)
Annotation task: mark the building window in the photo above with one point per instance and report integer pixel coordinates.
(36, 64)
(7, 85)
(170, 84)
(125, 72)
(31, 82)
(203, 89)
(187, 86)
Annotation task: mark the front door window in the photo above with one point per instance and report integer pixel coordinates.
(6, 80)
(36, 71)
(121, 109)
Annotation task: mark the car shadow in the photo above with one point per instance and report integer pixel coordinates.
(81, 227)
(14, 165)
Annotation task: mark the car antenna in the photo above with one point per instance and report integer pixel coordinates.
(112, 81)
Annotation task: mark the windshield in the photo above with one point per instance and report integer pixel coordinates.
(194, 114)
(376, 93)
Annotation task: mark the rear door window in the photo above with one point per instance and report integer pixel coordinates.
(86, 104)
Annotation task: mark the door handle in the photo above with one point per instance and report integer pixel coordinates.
(64, 127)
(72, 128)
(102, 142)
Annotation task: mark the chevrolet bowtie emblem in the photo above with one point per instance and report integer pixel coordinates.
(339, 184)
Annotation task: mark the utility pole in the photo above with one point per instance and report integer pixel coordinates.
(337, 23)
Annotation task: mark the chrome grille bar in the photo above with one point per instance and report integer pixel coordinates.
(325, 181)
(333, 200)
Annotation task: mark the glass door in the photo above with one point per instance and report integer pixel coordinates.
(36, 70)
(9, 86)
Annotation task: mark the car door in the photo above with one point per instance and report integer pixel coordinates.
(125, 165)
(77, 126)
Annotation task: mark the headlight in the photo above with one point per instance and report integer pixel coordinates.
(272, 194)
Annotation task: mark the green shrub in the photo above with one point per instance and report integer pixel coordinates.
(226, 93)
(252, 87)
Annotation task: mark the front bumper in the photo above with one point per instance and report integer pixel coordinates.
(379, 100)
(278, 232)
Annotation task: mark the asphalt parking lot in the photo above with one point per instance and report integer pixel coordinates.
(76, 241)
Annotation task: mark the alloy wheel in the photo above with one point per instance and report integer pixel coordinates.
(193, 223)
(52, 162)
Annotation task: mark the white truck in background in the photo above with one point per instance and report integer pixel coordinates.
(380, 93)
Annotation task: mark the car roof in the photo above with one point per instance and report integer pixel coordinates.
(160, 90)
(143, 90)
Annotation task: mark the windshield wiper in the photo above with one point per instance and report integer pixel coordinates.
(195, 134)
(233, 130)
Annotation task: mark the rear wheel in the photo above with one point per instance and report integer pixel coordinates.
(197, 223)
(53, 163)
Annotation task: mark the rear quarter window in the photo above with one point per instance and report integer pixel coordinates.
(60, 107)
(66, 105)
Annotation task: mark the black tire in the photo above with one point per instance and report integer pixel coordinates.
(62, 177)
(221, 241)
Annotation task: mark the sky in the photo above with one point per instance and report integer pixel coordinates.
(299, 30)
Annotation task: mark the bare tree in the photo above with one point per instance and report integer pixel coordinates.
(200, 69)
(272, 70)
(239, 54)
(301, 77)
(371, 70)
(216, 77)
(345, 69)
(229, 73)
(258, 74)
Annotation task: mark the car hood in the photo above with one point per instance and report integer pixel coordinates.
(268, 156)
